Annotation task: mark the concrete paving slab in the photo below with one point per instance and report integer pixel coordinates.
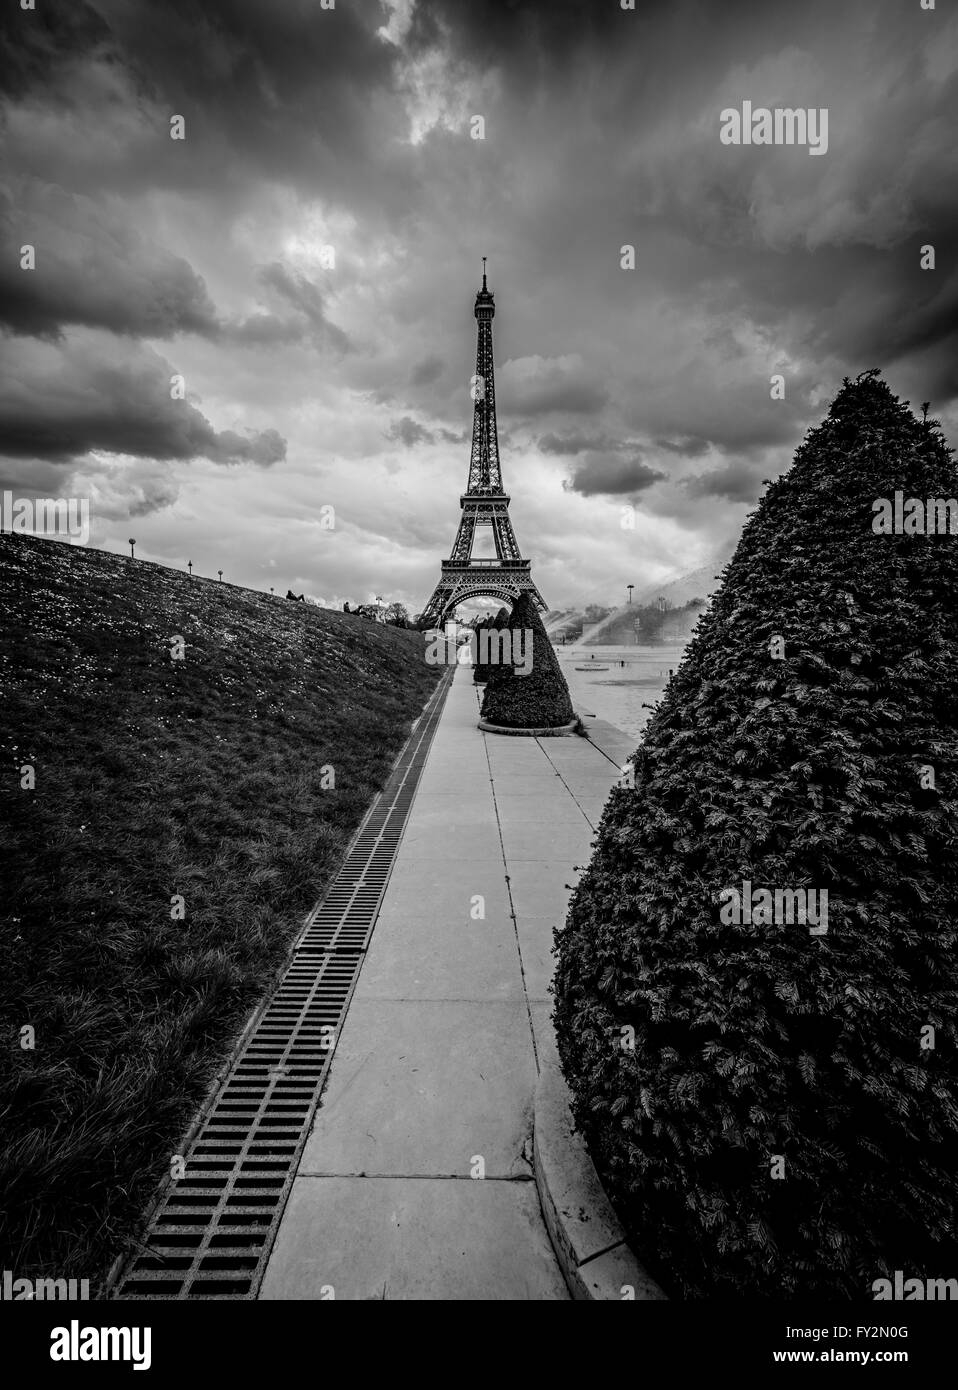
(534, 840)
(463, 734)
(439, 809)
(589, 796)
(514, 749)
(418, 1088)
(529, 763)
(409, 1238)
(566, 751)
(538, 886)
(465, 748)
(538, 962)
(436, 955)
(420, 887)
(465, 763)
(454, 778)
(462, 727)
(616, 744)
(541, 1011)
(592, 775)
(459, 840)
(558, 808)
(588, 770)
(522, 788)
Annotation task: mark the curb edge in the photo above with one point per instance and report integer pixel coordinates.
(556, 730)
(589, 1242)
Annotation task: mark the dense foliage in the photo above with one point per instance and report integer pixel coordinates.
(483, 669)
(759, 1043)
(540, 697)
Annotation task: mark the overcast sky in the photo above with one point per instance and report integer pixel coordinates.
(310, 385)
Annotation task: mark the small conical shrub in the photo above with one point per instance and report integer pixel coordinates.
(483, 670)
(538, 699)
(499, 670)
(773, 1110)
(479, 669)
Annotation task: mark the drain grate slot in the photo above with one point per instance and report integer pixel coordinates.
(211, 1231)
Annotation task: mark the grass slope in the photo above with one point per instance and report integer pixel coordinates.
(156, 777)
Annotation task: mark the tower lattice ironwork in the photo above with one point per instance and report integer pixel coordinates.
(484, 503)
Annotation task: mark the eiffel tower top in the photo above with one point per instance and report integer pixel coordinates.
(485, 474)
(485, 300)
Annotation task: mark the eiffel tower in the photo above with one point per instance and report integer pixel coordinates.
(483, 503)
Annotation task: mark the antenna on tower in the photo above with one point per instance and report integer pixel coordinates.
(483, 272)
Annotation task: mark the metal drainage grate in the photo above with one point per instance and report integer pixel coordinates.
(211, 1232)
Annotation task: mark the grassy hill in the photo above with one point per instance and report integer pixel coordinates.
(156, 777)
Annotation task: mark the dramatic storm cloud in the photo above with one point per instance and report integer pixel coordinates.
(219, 334)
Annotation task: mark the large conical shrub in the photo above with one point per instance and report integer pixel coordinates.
(539, 699)
(774, 1111)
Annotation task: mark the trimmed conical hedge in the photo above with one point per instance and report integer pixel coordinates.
(785, 1122)
(483, 670)
(538, 699)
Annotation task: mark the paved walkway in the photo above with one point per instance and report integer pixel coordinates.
(433, 1077)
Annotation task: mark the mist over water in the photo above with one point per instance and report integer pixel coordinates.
(636, 676)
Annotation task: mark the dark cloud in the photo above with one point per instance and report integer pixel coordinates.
(152, 496)
(267, 330)
(687, 448)
(307, 301)
(117, 490)
(533, 386)
(409, 432)
(91, 393)
(43, 45)
(575, 443)
(428, 370)
(525, 37)
(288, 90)
(99, 273)
(92, 270)
(737, 414)
(736, 482)
(613, 475)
